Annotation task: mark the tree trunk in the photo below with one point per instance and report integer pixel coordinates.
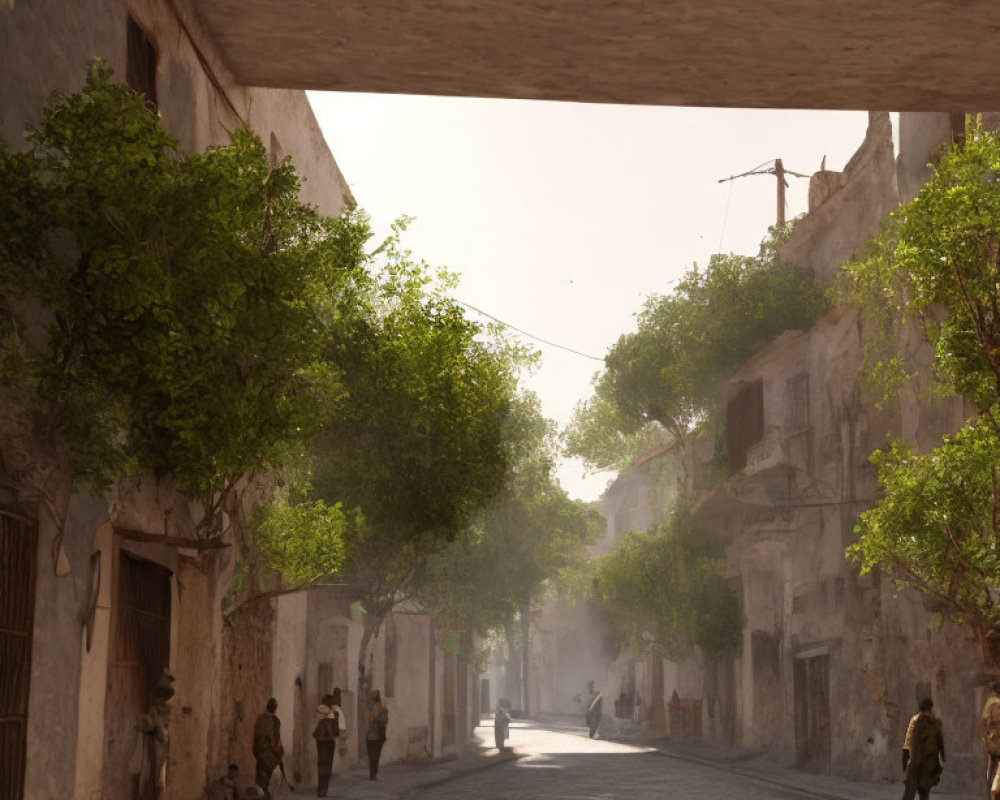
(366, 663)
(512, 672)
(525, 658)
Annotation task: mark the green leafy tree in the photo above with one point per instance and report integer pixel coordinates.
(667, 587)
(165, 311)
(669, 372)
(933, 269)
(304, 541)
(935, 526)
(602, 435)
(501, 564)
(418, 443)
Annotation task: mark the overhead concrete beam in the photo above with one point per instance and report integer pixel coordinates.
(932, 55)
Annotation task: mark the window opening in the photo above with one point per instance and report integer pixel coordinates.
(140, 68)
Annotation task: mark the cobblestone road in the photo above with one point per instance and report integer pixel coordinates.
(567, 765)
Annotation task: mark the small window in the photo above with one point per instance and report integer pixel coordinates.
(140, 69)
(744, 423)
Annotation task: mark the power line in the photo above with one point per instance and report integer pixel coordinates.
(525, 333)
(779, 172)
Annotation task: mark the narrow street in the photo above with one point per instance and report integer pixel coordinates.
(567, 765)
(557, 761)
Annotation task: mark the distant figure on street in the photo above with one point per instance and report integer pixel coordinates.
(923, 752)
(595, 710)
(328, 728)
(378, 719)
(501, 723)
(267, 747)
(336, 703)
(988, 732)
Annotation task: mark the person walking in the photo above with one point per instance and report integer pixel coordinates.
(378, 719)
(501, 724)
(328, 728)
(988, 731)
(923, 752)
(594, 712)
(267, 749)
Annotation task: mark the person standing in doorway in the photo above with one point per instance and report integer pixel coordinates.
(148, 765)
(988, 732)
(267, 749)
(923, 752)
(378, 720)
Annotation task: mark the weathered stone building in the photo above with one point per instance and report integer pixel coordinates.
(832, 664)
(92, 615)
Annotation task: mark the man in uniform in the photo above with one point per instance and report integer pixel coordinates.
(267, 747)
(923, 746)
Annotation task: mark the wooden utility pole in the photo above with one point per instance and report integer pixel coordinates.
(779, 172)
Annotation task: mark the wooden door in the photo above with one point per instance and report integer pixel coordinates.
(140, 651)
(18, 546)
(812, 712)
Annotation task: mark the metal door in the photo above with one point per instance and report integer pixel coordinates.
(18, 546)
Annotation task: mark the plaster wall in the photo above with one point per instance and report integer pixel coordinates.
(410, 712)
(317, 640)
(289, 678)
(246, 684)
(642, 495)
(94, 674)
(196, 660)
(835, 231)
(56, 654)
(685, 678)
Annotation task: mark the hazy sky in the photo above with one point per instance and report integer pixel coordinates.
(561, 217)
